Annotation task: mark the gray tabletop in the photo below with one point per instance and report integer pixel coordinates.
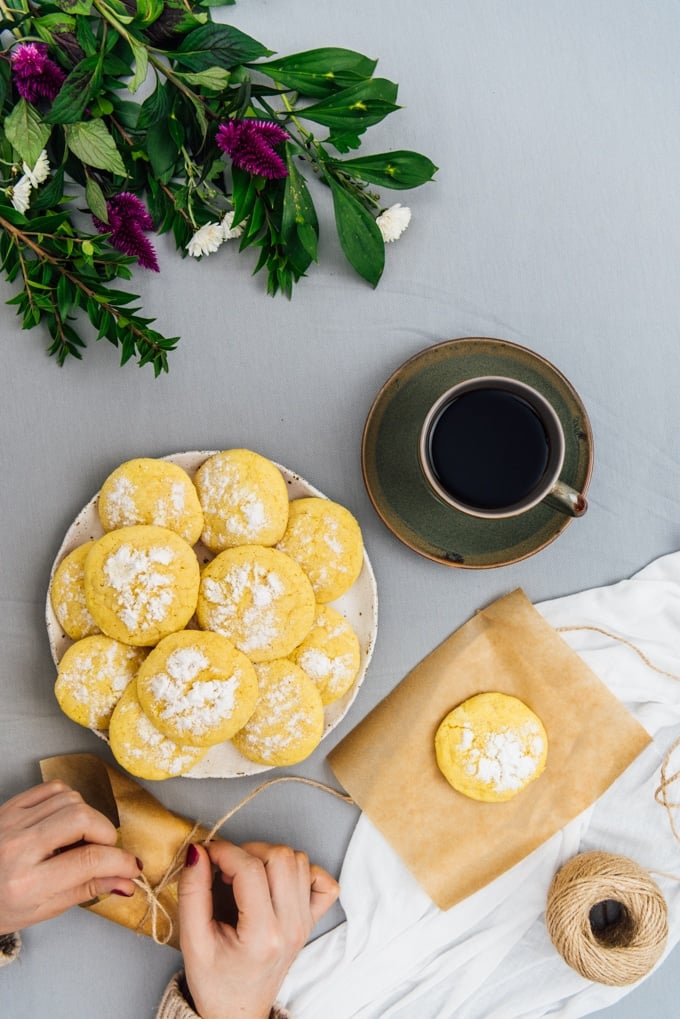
(554, 222)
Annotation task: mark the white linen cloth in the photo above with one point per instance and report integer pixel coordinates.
(489, 957)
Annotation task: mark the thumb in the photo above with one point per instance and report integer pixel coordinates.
(195, 899)
(323, 893)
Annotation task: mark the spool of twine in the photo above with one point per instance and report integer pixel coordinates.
(619, 952)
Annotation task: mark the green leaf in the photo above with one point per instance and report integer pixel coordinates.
(75, 6)
(354, 108)
(141, 55)
(398, 170)
(359, 235)
(148, 11)
(50, 193)
(26, 132)
(96, 200)
(319, 72)
(215, 45)
(299, 214)
(51, 24)
(213, 78)
(118, 10)
(76, 92)
(162, 151)
(64, 296)
(91, 142)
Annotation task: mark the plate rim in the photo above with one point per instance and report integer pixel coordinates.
(338, 709)
(385, 390)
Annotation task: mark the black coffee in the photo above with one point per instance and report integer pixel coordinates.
(488, 448)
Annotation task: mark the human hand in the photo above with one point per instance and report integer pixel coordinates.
(37, 881)
(237, 971)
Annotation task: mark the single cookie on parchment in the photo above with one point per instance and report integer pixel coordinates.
(491, 747)
(141, 583)
(197, 688)
(148, 491)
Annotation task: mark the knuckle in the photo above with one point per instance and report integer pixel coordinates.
(282, 854)
(91, 890)
(89, 858)
(272, 945)
(10, 851)
(56, 786)
(297, 935)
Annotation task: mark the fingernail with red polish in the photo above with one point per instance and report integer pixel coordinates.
(193, 856)
(139, 863)
(117, 891)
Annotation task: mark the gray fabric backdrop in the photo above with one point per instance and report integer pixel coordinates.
(554, 222)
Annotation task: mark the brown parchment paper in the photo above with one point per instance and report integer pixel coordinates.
(454, 845)
(147, 830)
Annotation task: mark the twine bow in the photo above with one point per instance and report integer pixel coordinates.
(156, 913)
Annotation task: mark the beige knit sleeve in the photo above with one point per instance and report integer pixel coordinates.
(175, 1006)
(10, 945)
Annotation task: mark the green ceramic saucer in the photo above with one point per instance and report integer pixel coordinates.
(395, 482)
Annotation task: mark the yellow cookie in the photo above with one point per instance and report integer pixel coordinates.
(244, 500)
(325, 539)
(329, 654)
(147, 491)
(67, 594)
(287, 724)
(491, 747)
(257, 597)
(141, 748)
(93, 674)
(141, 583)
(197, 688)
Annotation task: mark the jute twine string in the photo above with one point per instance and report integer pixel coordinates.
(667, 780)
(621, 953)
(629, 948)
(156, 913)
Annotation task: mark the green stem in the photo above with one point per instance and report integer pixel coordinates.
(23, 237)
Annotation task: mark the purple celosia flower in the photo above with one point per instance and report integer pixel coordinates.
(35, 75)
(250, 143)
(128, 219)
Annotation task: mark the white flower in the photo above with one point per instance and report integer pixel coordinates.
(393, 221)
(206, 240)
(21, 194)
(229, 231)
(40, 171)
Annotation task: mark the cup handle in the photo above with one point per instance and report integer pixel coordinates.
(567, 500)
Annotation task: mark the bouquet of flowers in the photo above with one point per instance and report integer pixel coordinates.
(221, 148)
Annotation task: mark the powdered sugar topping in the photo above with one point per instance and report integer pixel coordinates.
(192, 704)
(504, 759)
(245, 605)
(144, 593)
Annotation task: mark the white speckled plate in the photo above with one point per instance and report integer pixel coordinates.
(359, 606)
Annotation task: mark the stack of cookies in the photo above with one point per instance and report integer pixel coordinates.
(201, 615)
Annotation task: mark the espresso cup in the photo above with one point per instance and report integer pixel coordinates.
(494, 447)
